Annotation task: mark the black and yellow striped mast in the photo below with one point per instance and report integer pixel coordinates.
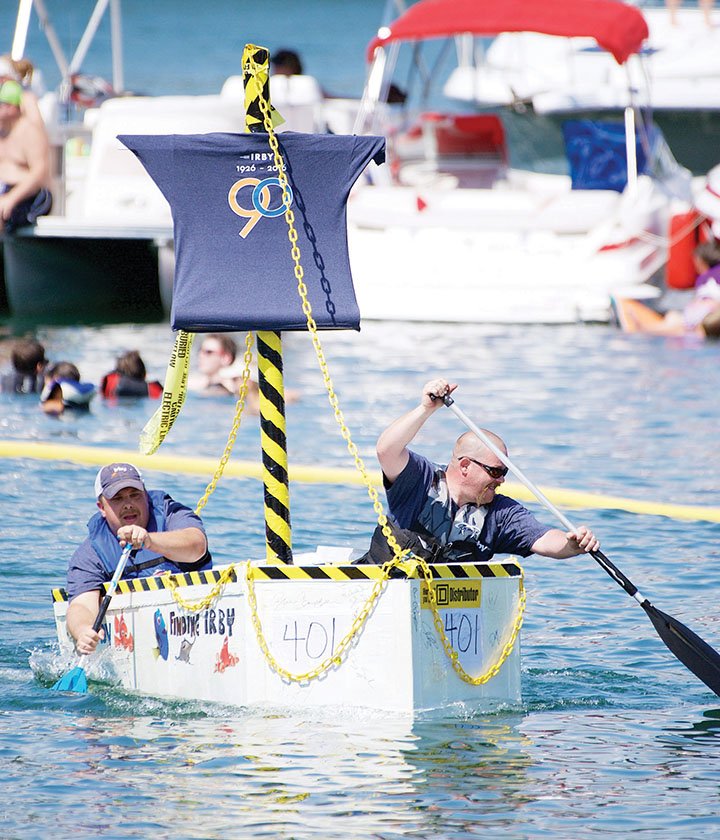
(276, 485)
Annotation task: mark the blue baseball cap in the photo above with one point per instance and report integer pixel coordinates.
(113, 478)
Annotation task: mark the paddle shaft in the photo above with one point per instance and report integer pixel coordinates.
(75, 679)
(112, 586)
(598, 556)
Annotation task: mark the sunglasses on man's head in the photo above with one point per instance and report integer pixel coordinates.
(493, 472)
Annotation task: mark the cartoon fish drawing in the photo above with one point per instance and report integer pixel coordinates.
(123, 638)
(161, 635)
(225, 659)
(185, 648)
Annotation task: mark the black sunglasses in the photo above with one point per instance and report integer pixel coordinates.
(493, 472)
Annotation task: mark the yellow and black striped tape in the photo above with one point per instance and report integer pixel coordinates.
(454, 571)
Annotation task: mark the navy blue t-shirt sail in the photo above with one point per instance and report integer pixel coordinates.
(233, 268)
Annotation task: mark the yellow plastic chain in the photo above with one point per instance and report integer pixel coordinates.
(227, 573)
(452, 654)
(239, 406)
(398, 554)
(226, 576)
(337, 657)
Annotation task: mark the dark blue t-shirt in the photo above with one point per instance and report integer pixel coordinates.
(86, 570)
(419, 500)
(233, 264)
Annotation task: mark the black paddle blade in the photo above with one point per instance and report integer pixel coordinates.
(690, 649)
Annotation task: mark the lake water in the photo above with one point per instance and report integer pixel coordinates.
(182, 47)
(613, 735)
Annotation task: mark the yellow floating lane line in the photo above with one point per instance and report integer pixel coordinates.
(99, 455)
(580, 499)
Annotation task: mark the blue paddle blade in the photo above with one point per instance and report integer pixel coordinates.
(75, 680)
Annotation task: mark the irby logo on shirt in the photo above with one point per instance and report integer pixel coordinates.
(266, 198)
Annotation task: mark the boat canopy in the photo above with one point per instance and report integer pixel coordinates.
(618, 28)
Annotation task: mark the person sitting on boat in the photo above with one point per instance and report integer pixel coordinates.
(699, 316)
(28, 368)
(458, 505)
(63, 389)
(129, 379)
(24, 163)
(286, 63)
(166, 536)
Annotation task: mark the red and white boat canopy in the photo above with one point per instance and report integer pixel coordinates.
(618, 28)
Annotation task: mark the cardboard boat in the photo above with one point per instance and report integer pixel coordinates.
(316, 634)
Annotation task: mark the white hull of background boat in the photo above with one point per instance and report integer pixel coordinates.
(395, 662)
(110, 224)
(540, 253)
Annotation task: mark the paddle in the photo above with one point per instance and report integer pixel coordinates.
(694, 653)
(75, 679)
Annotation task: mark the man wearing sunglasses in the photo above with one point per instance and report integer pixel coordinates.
(458, 504)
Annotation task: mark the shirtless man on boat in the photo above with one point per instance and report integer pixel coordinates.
(24, 163)
(457, 505)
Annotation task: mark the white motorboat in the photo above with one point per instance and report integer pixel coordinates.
(106, 249)
(676, 74)
(455, 230)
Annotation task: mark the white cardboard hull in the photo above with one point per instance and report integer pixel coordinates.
(395, 663)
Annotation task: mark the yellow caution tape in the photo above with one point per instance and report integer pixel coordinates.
(174, 392)
(97, 456)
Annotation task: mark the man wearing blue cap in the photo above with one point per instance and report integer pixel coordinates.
(24, 163)
(165, 535)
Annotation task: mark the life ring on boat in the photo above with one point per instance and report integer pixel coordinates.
(686, 232)
(89, 91)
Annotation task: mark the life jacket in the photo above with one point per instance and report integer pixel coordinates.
(117, 385)
(74, 394)
(144, 562)
(458, 530)
(441, 532)
(426, 547)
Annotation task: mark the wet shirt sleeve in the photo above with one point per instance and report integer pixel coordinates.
(85, 571)
(407, 494)
(179, 516)
(510, 528)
